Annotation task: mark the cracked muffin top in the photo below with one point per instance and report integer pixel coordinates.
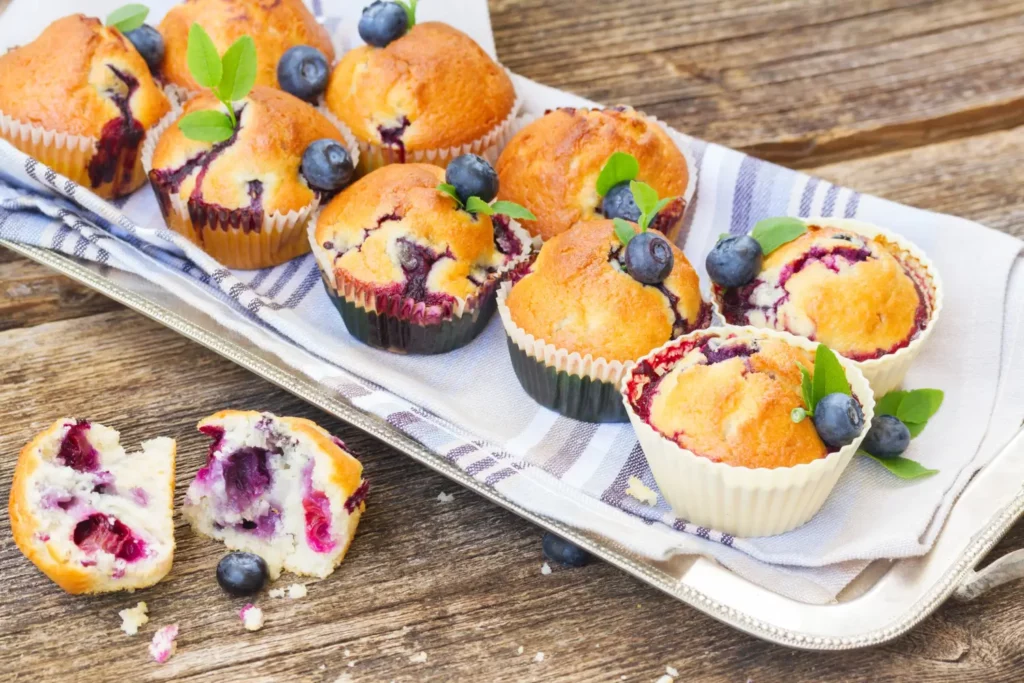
(77, 77)
(394, 232)
(433, 88)
(862, 296)
(275, 26)
(259, 163)
(551, 166)
(578, 296)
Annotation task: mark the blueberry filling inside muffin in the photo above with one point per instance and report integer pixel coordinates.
(357, 497)
(504, 239)
(391, 136)
(106, 533)
(119, 136)
(75, 450)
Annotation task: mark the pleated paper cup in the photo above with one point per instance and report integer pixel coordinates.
(238, 238)
(393, 322)
(886, 373)
(736, 500)
(670, 219)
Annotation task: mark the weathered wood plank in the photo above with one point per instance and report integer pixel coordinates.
(797, 82)
(31, 294)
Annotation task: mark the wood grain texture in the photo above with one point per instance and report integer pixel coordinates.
(921, 103)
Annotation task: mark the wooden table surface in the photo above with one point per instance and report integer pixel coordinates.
(921, 102)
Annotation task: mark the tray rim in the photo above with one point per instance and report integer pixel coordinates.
(328, 400)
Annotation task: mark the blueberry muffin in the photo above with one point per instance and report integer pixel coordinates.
(91, 516)
(246, 201)
(586, 311)
(713, 411)
(551, 167)
(80, 98)
(866, 293)
(280, 487)
(408, 269)
(428, 96)
(275, 25)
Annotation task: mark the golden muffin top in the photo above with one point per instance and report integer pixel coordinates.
(729, 399)
(433, 88)
(579, 297)
(274, 129)
(75, 77)
(275, 26)
(861, 296)
(395, 232)
(551, 166)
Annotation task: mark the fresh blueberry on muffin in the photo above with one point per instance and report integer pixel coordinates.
(80, 98)
(275, 25)
(552, 167)
(303, 72)
(410, 266)
(426, 96)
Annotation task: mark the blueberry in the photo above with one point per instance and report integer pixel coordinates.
(838, 419)
(327, 166)
(242, 573)
(619, 203)
(887, 438)
(559, 550)
(383, 22)
(303, 71)
(734, 261)
(150, 44)
(649, 258)
(472, 176)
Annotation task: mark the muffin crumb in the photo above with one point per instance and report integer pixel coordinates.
(134, 618)
(641, 492)
(445, 497)
(545, 569)
(163, 644)
(252, 617)
(539, 657)
(420, 658)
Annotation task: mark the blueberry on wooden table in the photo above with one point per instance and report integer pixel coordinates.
(618, 202)
(559, 550)
(327, 165)
(382, 23)
(838, 419)
(242, 574)
(303, 71)
(887, 438)
(472, 176)
(649, 258)
(150, 44)
(734, 261)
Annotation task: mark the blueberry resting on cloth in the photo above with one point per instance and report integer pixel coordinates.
(559, 550)
(619, 203)
(242, 574)
(472, 176)
(734, 261)
(327, 166)
(383, 22)
(150, 44)
(303, 71)
(887, 438)
(838, 419)
(649, 258)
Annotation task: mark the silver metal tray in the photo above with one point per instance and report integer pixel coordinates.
(885, 601)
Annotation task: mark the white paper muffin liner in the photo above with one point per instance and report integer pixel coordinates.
(739, 500)
(279, 237)
(682, 141)
(887, 373)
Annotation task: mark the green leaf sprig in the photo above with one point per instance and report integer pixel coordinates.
(477, 205)
(829, 378)
(620, 168)
(772, 233)
(410, 10)
(229, 78)
(914, 409)
(128, 18)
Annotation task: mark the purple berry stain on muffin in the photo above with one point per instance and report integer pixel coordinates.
(120, 138)
(246, 476)
(75, 450)
(317, 509)
(391, 136)
(358, 497)
(102, 532)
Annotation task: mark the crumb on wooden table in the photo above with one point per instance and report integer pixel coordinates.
(163, 645)
(134, 618)
(252, 617)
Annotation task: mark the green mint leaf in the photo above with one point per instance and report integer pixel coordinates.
(202, 57)
(645, 196)
(829, 376)
(904, 468)
(915, 428)
(662, 203)
(807, 389)
(207, 126)
(410, 10)
(513, 210)
(890, 403)
(723, 235)
(772, 233)
(919, 405)
(239, 70)
(619, 168)
(797, 415)
(477, 205)
(450, 191)
(624, 230)
(127, 18)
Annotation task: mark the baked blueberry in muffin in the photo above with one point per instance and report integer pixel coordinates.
(864, 292)
(80, 98)
(246, 200)
(282, 488)
(552, 167)
(93, 517)
(275, 25)
(586, 311)
(428, 96)
(719, 414)
(408, 266)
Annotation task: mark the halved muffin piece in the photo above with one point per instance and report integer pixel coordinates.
(280, 487)
(93, 517)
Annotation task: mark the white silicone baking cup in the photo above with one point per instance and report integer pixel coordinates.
(739, 500)
(887, 373)
(682, 142)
